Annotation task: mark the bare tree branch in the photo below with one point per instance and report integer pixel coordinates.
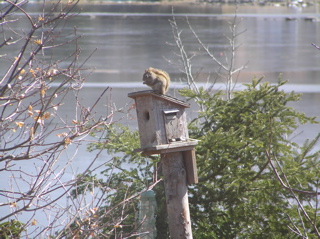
(33, 88)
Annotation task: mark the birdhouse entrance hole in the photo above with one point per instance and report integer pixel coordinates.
(146, 115)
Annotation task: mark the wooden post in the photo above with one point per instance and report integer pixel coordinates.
(176, 191)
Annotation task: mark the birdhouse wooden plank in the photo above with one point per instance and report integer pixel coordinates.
(168, 148)
(171, 122)
(191, 166)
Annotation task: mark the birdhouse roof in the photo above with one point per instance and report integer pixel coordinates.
(158, 96)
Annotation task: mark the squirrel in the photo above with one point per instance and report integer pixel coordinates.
(158, 80)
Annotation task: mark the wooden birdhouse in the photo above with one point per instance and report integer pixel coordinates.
(163, 127)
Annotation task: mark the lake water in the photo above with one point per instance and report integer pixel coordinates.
(127, 40)
(276, 40)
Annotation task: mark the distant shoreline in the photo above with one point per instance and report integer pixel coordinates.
(183, 8)
(202, 4)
